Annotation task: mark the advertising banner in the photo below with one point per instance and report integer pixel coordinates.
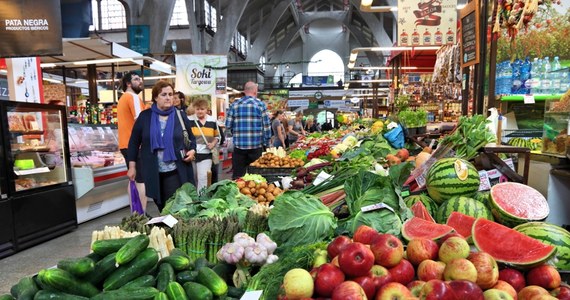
(203, 76)
(427, 22)
(30, 28)
(24, 80)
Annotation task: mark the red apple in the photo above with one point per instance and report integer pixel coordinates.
(348, 290)
(545, 276)
(327, 278)
(531, 292)
(415, 287)
(562, 292)
(356, 259)
(403, 154)
(334, 261)
(419, 250)
(436, 289)
(453, 247)
(388, 250)
(513, 277)
(334, 247)
(505, 286)
(430, 269)
(466, 290)
(496, 294)
(487, 269)
(364, 234)
(394, 291)
(367, 284)
(402, 272)
(380, 275)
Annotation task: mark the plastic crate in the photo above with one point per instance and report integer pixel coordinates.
(270, 171)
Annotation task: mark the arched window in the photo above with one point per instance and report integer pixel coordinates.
(112, 15)
(179, 15)
(326, 62)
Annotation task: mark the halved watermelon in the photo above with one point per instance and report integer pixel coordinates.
(509, 246)
(515, 203)
(461, 223)
(420, 228)
(419, 210)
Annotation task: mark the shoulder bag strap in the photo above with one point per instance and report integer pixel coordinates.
(200, 129)
(180, 119)
(184, 131)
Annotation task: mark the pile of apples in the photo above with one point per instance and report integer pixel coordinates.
(373, 265)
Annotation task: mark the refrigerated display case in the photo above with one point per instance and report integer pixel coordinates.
(99, 170)
(37, 172)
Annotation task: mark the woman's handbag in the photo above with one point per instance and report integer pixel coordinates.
(187, 142)
(215, 151)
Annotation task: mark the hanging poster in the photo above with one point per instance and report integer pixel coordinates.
(427, 22)
(203, 76)
(30, 28)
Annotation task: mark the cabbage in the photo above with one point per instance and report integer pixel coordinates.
(254, 177)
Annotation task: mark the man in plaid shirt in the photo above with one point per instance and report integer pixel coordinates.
(248, 121)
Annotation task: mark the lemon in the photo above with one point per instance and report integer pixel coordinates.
(461, 170)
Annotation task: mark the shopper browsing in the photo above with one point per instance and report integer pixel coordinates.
(279, 135)
(207, 133)
(248, 122)
(296, 128)
(159, 133)
(179, 101)
(128, 109)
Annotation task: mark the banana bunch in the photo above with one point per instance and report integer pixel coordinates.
(279, 152)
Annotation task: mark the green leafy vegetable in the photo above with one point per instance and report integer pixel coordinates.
(383, 220)
(300, 219)
(254, 177)
(470, 135)
(298, 153)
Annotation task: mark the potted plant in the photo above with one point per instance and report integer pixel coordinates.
(414, 121)
(421, 117)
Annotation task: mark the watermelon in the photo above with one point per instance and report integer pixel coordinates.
(483, 197)
(419, 228)
(451, 177)
(428, 202)
(515, 203)
(461, 223)
(420, 211)
(465, 205)
(550, 234)
(509, 246)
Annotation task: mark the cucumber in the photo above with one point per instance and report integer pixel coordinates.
(45, 295)
(175, 291)
(139, 266)
(7, 297)
(235, 292)
(25, 289)
(178, 251)
(43, 286)
(94, 257)
(65, 282)
(186, 276)
(106, 247)
(131, 249)
(161, 296)
(196, 291)
(134, 293)
(226, 271)
(178, 262)
(201, 262)
(145, 280)
(102, 269)
(212, 281)
(78, 267)
(165, 276)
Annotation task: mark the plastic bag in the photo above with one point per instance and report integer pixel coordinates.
(396, 137)
(136, 205)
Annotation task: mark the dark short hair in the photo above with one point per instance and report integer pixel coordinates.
(127, 79)
(180, 95)
(158, 86)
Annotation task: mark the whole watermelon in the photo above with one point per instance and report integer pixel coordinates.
(428, 202)
(465, 205)
(449, 177)
(550, 234)
(483, 197)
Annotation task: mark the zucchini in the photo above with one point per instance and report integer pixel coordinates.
(78, 267)
(94, 257)
(133, 293)
(25, 289)
(178, 262)
(186, 276)
(65, 282)
(139, 266)
(45, 295)
(106, 247)
(145, 280)
(196, 291)
(161, 296)
(131, 249)
(7, 297)
(226, 271)
(235, 292)
(102, 269)
(212, 281)
(165, 276)
(175, 291)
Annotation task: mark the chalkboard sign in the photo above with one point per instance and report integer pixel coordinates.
(470, 34)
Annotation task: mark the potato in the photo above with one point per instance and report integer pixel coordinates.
(245, 191)
(269, 196)
(261, 191)
(251, 184)
(260, 198)
(277, 191)
(253, 191)
(270, 187)
(240, 184)
(262, 185)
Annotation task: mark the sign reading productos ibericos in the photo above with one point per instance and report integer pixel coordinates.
(30, 28)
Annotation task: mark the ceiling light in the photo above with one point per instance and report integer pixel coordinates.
(51, 80)
(287, 66)
(47, 65)
(274, 67)
(102, 61)
(366, 2)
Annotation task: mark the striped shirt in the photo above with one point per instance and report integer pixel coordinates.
(248, 121)
(210, 131)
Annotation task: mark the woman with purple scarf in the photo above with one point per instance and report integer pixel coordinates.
(159, 134)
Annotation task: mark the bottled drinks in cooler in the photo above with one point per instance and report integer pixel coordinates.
(555, 75)
(525, 77)
(508, 77)
(535, 76)
(516, 77)
(564, 81)
(546, 83)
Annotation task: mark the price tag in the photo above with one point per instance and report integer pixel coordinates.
(405, 191)
(168, 220)
(376, 206)
(528, 99)
(321, 177)
(251, 295)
